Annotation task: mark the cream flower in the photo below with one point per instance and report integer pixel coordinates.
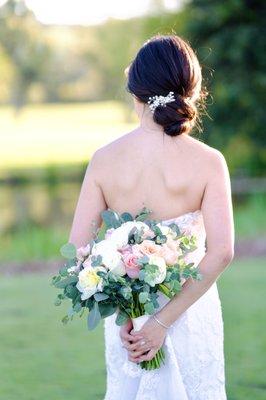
(89, 282)
(160, 263)
(167, 231)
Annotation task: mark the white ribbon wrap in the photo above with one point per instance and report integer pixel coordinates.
(139, 322)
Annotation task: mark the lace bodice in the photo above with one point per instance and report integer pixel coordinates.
(194, 368)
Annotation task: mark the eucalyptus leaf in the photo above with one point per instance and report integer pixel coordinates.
(57, 302)
(102, 231)
(67, 281)
(63, 271)
(94, 317)
(106, 309)
(96, 260)
(111, 219)
(65, 319)
(55, 279)
(121, 318)
(68, 250)
(149, 308)
(99, 296)
(143, 214)
(77, 307)
(143, 297)
(126, 216)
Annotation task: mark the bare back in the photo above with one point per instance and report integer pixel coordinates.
(167, 175)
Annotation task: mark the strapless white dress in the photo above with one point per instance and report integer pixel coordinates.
(194, 368)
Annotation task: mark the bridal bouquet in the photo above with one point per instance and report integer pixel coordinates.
(123, 269)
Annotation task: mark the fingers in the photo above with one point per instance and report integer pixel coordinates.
(128, 341)
(125, 336)
(137, 354)
(139, 345)
(135, 333)
(149, 356)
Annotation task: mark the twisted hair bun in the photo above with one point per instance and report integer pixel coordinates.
(176, 117)
(167, 63)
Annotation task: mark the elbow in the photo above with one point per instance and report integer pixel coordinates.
(227, 256)
(222, 257)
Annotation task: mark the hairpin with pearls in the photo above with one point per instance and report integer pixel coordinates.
(155, 101)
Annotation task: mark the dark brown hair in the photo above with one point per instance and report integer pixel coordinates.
(167, 63)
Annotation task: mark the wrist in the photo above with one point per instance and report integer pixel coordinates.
(160, 322)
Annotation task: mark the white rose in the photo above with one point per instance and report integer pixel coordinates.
(111, 258)
(159, 261)
(120, 235)
(89, 282)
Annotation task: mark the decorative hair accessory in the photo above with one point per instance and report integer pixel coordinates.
(156, 101)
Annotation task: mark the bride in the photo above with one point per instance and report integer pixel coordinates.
(160, 166)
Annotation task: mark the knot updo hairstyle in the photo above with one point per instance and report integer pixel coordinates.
(168, 64)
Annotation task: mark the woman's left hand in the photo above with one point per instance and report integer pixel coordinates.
(153, 336)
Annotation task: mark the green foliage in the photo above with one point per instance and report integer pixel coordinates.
(106, 309)
(143, 297)
(63, 283)
(229, 40)
(121, 318)
(99, 296)
(94, 317)
(149, 308)
(68, 251)
(126, 216)
(96, 260)
(111, 219)
(143, 214)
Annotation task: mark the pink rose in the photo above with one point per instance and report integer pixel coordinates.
(148, 247)
(148, 234)
(87, 263)
(170, 256)
(131, 264)
(170, 251)
(125, 249)
(83, 252)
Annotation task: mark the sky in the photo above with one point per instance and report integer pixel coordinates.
(89, 12)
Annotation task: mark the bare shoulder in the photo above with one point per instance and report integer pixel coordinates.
(212, 159)
(111, 152)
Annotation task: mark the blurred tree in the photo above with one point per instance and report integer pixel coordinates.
(21, 40)
(230, 36)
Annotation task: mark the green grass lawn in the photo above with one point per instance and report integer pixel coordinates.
(42, 359)
(44, 134)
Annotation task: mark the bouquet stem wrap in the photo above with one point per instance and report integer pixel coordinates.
(159, 357)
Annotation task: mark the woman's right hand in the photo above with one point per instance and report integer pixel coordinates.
(126, 338)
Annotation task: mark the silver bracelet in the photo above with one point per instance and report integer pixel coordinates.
(161, 323)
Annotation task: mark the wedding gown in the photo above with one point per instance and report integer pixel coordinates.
(194, 368)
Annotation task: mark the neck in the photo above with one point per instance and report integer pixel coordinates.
(147, 123)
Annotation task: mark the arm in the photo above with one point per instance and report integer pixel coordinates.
(218, 220)
(89, 206)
